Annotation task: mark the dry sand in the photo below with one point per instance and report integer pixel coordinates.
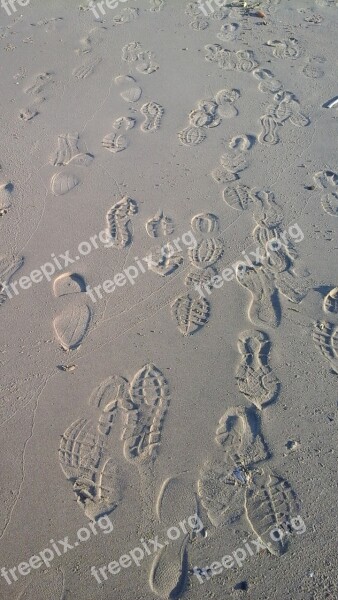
(152, 403)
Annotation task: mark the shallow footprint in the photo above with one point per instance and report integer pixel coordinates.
(71, 326)
(175, 504)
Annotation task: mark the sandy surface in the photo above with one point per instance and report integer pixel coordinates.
(149, 151)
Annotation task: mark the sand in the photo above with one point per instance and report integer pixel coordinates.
(169, 204)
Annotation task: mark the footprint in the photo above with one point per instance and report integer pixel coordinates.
(267, 81)
(71, 326)
(222, 481)
(238, 434)
(330, 304)
(6, 190)
(265, 305)
(269, 503)
(219, 491)
(91, 41)
(149, 401)
(84, 456)
(239, 197)
(234, 161)
(328, 180)
(280, 263)
(229, 32)
(72, 323)
(160, 225)
(67, 147)
(205, 223)
(254, 376)
(131, 92)
(204, 118)
(269, 133)
(68, 283)
(124, 123)
(144, 59)
(242, 143)
(313, 69)
(27, 114)
(200, 277)
(245, 61)
(193, 9)
(86, 69)
(157, 5)
(146, 64)
(63, 182)
(118, 220)
(153, 114)
(130, 51)
(39, 84)
(288, 48)
(222, 176)
(267, 213)
(9, 264)
(325, 337)
(199, 24)
(225, 100)
(114, 142)
(192, 136)
(169, 571)
(164, 260)
(330, 204)
(190, 313)
(206, 253)
(127, 15)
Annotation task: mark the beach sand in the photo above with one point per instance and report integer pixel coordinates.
(169, 301)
